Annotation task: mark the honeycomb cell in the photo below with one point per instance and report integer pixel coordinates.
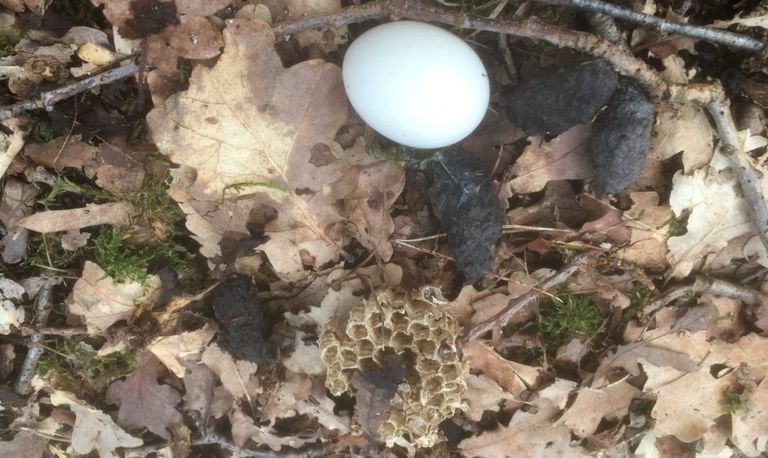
(426, 332)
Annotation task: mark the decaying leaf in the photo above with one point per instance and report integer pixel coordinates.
(647, 245)
(260, 138)
(565, 157)
(512, 376)
(11, 144)
(93, 429)
(11, 314)
(115, 214)
(374, 391)
(143, 402)
(484, 393)
(718, 214)
(101, 302)
(178, 349)
(26, 444)
(244, 429)
(238, 377)
(750, 424)
(592, 405)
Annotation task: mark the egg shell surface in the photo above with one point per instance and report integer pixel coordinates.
(416, 84)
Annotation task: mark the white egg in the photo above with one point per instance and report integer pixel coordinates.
(416, 84)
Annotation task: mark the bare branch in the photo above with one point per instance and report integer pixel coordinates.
(48, 99)
(43, 305)
(722, 37)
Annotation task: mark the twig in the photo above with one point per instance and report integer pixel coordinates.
(501, 318)
(533, 28)
(43, 305)
(64, 332)
(722, 37)
(49, 98)
(715, 286)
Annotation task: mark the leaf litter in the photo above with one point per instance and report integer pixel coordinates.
(251, 217)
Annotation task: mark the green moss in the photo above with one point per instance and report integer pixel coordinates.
(73, 363)
(735, 400)
(566, 317)
(123, 261)
(45, 252)
(8, 42)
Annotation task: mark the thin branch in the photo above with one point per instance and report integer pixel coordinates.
(501, 318)
(715, 286)
(533, 28)
(48, 99)
(722, 37)
(43, 305)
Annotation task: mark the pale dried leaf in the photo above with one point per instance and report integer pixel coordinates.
(262, 135)
(24, 444)
(237, 377)
(74, 239)
(115, 214)
(10, 145)
(244, 429)
(176, 350)
(201, 7)
(305, 358)
(484, 393)
(565, 157)
(10, 313)
(512, 376)
(143, 402)
(717, 214)
(97, 55)
(101, 302)
(647, 247)
(286, 396)
(750, 427)
(749, 21)
(94, 429)
(592, 405)
(80, 35)
(688, 413)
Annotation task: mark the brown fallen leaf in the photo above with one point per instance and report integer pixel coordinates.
(93, 429)
(483, 393)
(115, 214)
(143, 402)
(101, 302)
(238, 377)
(11, 310)
(592, 405)
(178, 350)
(750, 425)
(647, 247)
(262, 137)
(374, 391)
(512, 376)
(566, 157)
(244, 429)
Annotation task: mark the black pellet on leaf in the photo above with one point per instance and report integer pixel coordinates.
(241, 319)
(465, 202)
(621, 138)
(557, 97)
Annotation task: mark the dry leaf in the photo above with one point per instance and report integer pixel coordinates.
(647, 247)
(528, 435)
(261, 136)
(114, 214)
(10, 145)
(24, 444)
(10, 314)
(566, 157)
(512, 376)
(687, 407)
(484, 393)
(749, 21)
(176, 350)
(101, 302)
(592, 405)
(244, 429)
(94, 429)
(718, 214)
(238, 377)
(80, 35)
(305, 358)
(750, 426)
(143, 402)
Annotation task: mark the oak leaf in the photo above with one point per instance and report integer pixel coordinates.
(260, 139)
(143, 402)
(93, 428)
(592, 405)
